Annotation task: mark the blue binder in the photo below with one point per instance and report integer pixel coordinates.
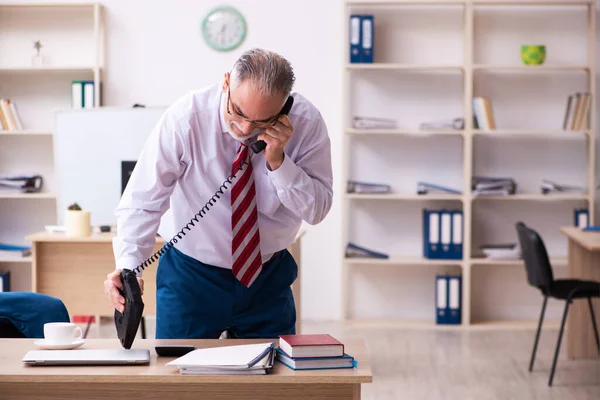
(456, 243)
(454, 311)
(366, 39)
(581, 218)
(431, 234)
(355, 37)
(441, 299)
(445, 234)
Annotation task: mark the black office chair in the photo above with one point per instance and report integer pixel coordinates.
(539, 275)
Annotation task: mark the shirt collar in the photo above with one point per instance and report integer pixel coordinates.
(222, 100)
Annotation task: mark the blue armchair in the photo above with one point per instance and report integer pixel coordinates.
(23, 314)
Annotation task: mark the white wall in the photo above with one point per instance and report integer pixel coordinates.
(155, 53)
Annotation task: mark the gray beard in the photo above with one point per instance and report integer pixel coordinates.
(252, 134)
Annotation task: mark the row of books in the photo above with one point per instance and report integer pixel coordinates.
(298, 352)
(577, 112)
(483, 114)
(10, 120)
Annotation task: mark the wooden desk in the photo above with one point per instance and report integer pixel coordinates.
(74, 270)
(157, 381)
(583, 263)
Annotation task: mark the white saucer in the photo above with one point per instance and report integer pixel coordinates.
(45, 345)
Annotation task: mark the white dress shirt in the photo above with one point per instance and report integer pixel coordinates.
(186, 159)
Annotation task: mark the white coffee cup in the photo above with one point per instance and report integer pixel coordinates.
(62, 332)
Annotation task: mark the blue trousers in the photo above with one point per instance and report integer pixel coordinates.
(199, 301)
(29, 311)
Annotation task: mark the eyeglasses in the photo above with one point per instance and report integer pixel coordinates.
(255, 124)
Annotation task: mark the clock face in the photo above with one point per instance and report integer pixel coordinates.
(224, 28)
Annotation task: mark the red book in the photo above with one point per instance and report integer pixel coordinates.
(311, 345)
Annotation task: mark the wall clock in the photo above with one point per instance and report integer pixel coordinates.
(224, 28)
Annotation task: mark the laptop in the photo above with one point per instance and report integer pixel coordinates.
(88, 357)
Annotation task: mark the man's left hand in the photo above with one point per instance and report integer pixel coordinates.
(276, 138)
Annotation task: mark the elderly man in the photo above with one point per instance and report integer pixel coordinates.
(230, 271)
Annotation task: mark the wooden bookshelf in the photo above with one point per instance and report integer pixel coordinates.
(75, 51)
(469, 67)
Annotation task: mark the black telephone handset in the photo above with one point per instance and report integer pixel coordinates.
(260, 145)
(128, 321)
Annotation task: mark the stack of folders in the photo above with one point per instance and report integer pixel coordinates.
(16, 250)
(443, 234)
(581, 217)
(313, 351)
(367, 187)
(246, 359)
(448, 299)
(554, 187)
(427, 188)
(485, 185)
(355, 251)
(501, 251)
(361, 38)
(374, 123)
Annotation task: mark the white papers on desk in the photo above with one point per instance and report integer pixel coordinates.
(226, 360)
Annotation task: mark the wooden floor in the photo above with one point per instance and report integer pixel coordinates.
(447, 365)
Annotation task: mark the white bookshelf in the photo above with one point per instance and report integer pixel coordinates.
(431, 58)
(72, 38)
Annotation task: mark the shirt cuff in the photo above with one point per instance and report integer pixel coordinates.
(286, 174)
(129, 263)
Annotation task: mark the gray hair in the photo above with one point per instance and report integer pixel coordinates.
(270, 73)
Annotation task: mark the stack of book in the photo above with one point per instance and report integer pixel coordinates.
(313, 351)
(482, 185)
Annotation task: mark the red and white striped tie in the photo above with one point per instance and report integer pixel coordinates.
(247, 260)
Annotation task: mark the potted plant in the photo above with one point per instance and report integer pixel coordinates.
(77, 221)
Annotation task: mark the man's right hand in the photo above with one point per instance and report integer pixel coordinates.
(112, 284)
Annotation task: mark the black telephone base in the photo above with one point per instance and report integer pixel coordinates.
(127, 323)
